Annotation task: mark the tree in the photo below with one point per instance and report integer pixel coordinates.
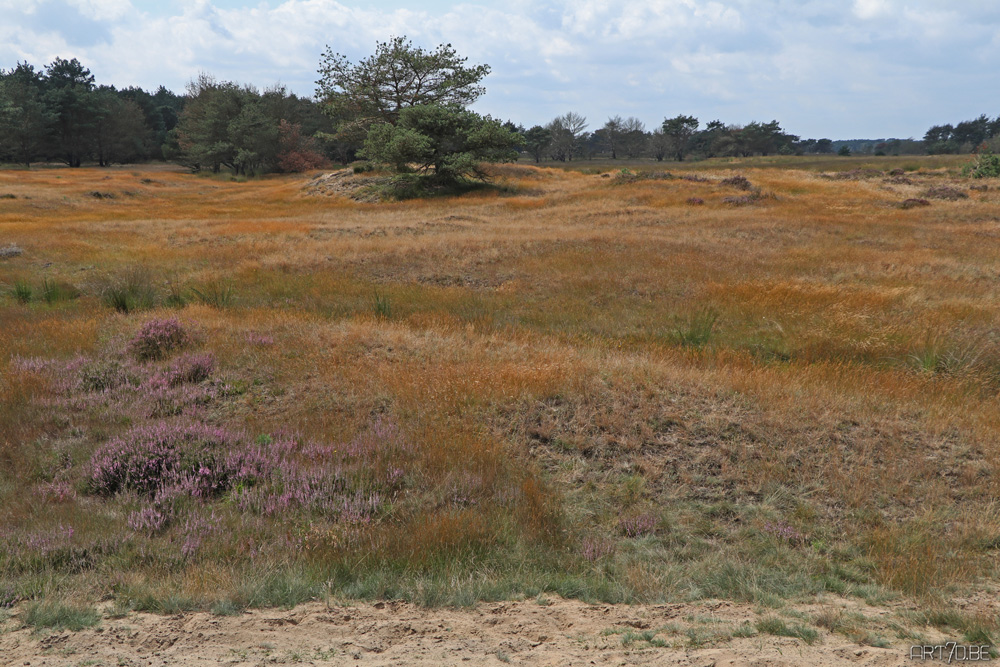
(396, 77)
(536, 140)
(634, 137)
(71, 98)
(659, 144)
(120, 132)
(566, 131)
(447, 141)
(678, 132)
(612, 134)
(25, 121)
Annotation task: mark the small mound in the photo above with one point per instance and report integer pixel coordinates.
(945, 192)
(342, 183)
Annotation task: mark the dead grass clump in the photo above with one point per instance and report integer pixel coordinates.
(945, 192)
(11, 250)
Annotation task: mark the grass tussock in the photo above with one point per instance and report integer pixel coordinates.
(600, 392)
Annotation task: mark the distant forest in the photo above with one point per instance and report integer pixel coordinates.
(60, 114)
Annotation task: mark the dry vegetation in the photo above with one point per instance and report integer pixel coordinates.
(603, 386)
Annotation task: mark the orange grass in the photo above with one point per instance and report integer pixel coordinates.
(536, 341)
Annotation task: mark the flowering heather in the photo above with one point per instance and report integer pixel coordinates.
(149, 457)
(196, 529)
(47, 541)
(637, 526)
(158, 338)
(57, 492)
(191, 369)
(150, 520)
(166, 462)
(105, 375)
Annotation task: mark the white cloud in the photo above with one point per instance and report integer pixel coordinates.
(807, 63)
(871, 9)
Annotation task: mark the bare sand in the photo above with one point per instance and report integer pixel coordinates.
(530, 632)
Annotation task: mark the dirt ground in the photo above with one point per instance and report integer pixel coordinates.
(531, 632)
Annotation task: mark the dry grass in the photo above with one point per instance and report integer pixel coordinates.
(820, 360)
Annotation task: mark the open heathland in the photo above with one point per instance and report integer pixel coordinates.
(766, 382)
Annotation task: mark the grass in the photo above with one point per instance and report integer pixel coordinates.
(130, 289)
(772, 625)
(57, 616)
(216, 293)
(586, 389)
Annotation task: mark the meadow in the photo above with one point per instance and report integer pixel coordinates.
(755, 380)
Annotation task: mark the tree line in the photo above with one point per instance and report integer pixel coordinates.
(60, 114)
(401, 106)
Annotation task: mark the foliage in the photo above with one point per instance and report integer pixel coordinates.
(61, 113)
(397, 76)
(567, 132)
(448, 141)
(537, 140)
(678, 132)
(247, 131)
(985, 165)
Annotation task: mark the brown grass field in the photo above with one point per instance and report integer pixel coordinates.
(589, 385)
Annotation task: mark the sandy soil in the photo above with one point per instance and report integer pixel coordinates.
(532, 632)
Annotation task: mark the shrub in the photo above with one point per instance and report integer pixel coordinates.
(191, 369)
(739, 182)
(986, 165)
(158, 338)
(149, 459)
(104, 375)
(914, 203)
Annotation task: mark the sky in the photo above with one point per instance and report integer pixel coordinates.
(840, 69)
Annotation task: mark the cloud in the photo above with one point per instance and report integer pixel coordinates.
(821, 68)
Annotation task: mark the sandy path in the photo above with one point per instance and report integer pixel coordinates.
(564, 632)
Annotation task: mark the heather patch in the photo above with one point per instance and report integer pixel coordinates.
(158, 338)
(169, 463)
(945, 192)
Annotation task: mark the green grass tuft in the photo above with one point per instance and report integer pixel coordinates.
(58, 616)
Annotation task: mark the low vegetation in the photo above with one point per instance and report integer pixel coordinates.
(581, 386)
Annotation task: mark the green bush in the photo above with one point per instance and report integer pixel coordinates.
(986, 165)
